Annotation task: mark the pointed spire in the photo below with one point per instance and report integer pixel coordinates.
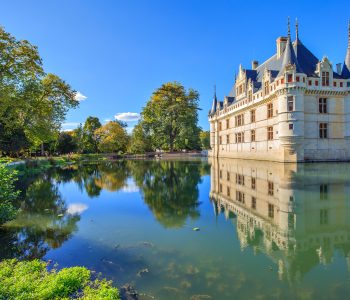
(296, 29)
(289, 57)
(215, 101)
(288, 28)
(346, 66)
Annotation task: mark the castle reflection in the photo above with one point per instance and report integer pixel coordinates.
(297, 214)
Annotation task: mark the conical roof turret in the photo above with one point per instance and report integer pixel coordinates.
(346, 66)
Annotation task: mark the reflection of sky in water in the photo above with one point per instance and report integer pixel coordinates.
(238, 251)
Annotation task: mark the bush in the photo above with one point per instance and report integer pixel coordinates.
(31, 280)
(7, 194)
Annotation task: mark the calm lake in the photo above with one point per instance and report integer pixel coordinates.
(228, 229)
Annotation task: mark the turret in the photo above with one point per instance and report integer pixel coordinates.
(215, 102)
(346, 66)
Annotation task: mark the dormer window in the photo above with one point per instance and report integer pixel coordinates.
(325, 78)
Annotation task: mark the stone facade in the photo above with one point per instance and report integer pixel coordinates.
(291, 108)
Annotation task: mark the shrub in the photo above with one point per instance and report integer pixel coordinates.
(27, 280)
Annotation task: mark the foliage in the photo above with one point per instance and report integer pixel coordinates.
(112, 138)
(32, 104)
(205, 139)
(170, 118)
(140, 141)
(89, 141)
(31, 280)
(66, 143)
(7, 194)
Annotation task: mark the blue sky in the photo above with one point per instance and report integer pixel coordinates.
(116, 53)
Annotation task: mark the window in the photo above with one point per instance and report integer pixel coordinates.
(252, 135)
(341, 84)
(290, 77)
(227, 123)
(220, 188)
(323, 130)
(334, 84)
(253, 203)
(240, 197)
(227, 139)
(266, 87)
(310, 82)
(228, 191)
(253, 183)
(220, 126)
(239, 120)
(297, 78)
(252, 116)
(323, 191)
(270, 133)
(325, 78)
(282, 81)
(220, 140)
(228, 176)
(271, 211)
(322, 105)
(269, 110)
(240, 179)
(316, 82)
(220, 174)
(290, 103)
(270, 188)
(291, 126)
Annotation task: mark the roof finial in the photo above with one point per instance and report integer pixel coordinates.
(296, 29)
(214, 90)
(288, 28)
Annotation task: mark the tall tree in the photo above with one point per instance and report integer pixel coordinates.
(112, 137)
(170, 117)
(90, 143)
(140, 141)
(31, 102)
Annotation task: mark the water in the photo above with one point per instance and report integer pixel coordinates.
(267, 230)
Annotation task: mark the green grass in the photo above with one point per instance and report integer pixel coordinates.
(30, 280)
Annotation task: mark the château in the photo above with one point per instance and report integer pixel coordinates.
(291, 108)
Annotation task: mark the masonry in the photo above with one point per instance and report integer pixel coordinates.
(291, 108)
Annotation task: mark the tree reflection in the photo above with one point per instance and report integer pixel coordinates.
(170, 189)
(42, 224)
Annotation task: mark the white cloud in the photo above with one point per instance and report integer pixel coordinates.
(70, 124)
(80, 97)
(76, 208)
(127, 116)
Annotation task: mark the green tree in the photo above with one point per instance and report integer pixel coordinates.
(66, 143)
(112, 137)
(205, 139)
(170, 117)
(89, 141)
(32, 104)
(140, 141)
(7, 194)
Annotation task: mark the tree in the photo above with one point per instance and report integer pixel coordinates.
(205, 139)
(140, 141)
(66, 143)
(89, 142)
(112, 137)
(170, 117)
(32, 104)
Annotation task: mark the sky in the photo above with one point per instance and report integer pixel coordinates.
(117, 53)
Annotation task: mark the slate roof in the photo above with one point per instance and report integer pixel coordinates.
(289, 58)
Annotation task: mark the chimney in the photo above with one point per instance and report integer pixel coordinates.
(339, 68)
(281, 43)
(255, 64)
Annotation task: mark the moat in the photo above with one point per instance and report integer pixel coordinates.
(192, 229)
